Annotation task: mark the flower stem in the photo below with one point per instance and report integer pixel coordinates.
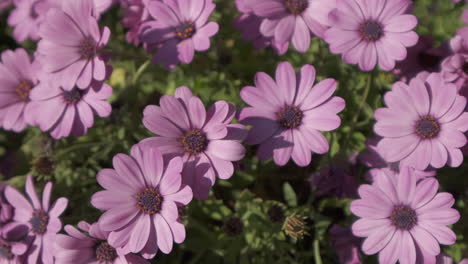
(318, 258)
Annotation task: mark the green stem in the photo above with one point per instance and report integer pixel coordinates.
(78, 146)
(318, 258)
(140, 71)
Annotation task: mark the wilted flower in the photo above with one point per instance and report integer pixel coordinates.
(345, 244)
(296, 226)
(233, 226)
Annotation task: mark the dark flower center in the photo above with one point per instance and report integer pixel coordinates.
(149, 201)
(5, 252)
(87, 48)
(290, 117)
(23, 89)
(427, 127)
(296, 7)
(185, 30)
(371, 30)
(404, 217)
(105, 253)
(233, 226)
(39, 222)
(465, 68)
(429, 61)
(194, 141)
(296, 226)
(73, 96)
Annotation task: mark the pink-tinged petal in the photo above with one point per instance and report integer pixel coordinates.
(306, 81)
(378, 240)
(99, 71)
(153, 166)
(285, 29)
(270, 88)
(268, 8)
(85, 77)
(64, 127)
(267, 148)
(264, 124)
(183, 196)
(455, 158)
(171, 181)
(282, 155)
(314, 26)
(340, 40)
(201, 41)
(178, 231)
(461, 123)
(216, 114)
(156, 122)
(319, 94)
(398, 50)
(184, 93)
(16, 199)
(164, 234)
(120, 237)
(85, 114)
(455, 112)
(32, 194)
(402, 23)
(286, 80)
(118, 217)
(420, 158)
(395, 8)
(127, 167)
(197, 112)
(391, 252)
(110, 180)
(368, 61)
(425, 240)
(105, 36)
(425, 191)
(440, 201)
(163, 13)
(407, 249)
(439, 154)
(256, 97)
(315, 140)
(186, 51)
(223, 168)
(375, 195)
(368, 209)
(46, 196)
(406, 185)
(444, 216)
(151, 247)
(301, 153)
(140, 234)
(443, 234)
(418, 91)
(443, 95)
(58, 207)
(452, 138)
(396, 149)
(387, 183)
(106, 200)
(393, 129)
(173, 108)
(301, 35)
(385, 60)
(267, 27)
(231, 150)
(341, 20)
(169, 211)
(365, 227)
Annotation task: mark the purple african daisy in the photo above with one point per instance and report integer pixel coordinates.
(6, 211)
(455, 66)
(206, 140)
(293, 20)
(372, 159)
(135, 14)
(288, 114)
(70, 48)
(400, 217)
(423, 124)
(41, 219)
(249, 25)
(93, 247)
(68, 111)
(27, 17)
(345, 244)
(180, 28)
(422, 60)
(141, 202)
(12, 251)
(18, 79)
(371, 32)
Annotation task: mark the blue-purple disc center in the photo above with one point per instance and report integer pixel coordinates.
(185, 30)
(371, 30)
(404, 217)
(149, 200)
(290, 117)
(105, 253)
(39, 222)
(427, 127)
(194, 141)
(296, 7)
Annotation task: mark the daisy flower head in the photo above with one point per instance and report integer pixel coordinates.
(345, 244)
(293, 21)
(401, 218)
(455, 67)
(288, 114)
(141, 200)
(71, 46)
(423, 124)
(18, 79)
(64, 112)
(370, 32)
(135, 14)
(206, 140)
(180, 29)
(93, 247)
(40, 217)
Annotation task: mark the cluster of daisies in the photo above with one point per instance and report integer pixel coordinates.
(421, 129)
